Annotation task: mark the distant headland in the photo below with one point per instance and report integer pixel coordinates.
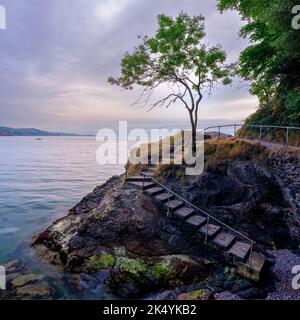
(6, 131)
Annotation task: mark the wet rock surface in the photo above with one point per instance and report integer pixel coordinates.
(24, 285)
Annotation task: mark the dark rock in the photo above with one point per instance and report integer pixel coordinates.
(252, 293)
(228, 285)
(217, 282)
(166, 295)
(128, 290)
(248, 196)
(241, 285)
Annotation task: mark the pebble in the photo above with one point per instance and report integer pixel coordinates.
(285, 260)
(225, 295)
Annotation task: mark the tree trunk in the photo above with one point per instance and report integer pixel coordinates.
(194, 133)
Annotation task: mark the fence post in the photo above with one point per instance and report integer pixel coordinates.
(219, 132)
(260, 133)
(250, 257)
(206, 234)
(169, 196)
(234, 130)
(287, 136)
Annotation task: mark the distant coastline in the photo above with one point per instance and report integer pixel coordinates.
(27, 132)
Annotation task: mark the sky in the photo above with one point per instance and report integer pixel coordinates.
(56, 56)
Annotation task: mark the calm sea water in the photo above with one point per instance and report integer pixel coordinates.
(40, 180)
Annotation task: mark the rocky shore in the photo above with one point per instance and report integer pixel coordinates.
(22, 284)
(117, 243)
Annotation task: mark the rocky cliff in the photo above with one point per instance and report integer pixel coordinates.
(120, 235)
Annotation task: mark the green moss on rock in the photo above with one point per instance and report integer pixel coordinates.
(162, 269)
(202, 294)
(132, 266)
(105, 261)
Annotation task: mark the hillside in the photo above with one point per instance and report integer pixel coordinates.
(5, 131)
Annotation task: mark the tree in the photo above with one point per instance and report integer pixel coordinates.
(175, 56)
(272, 60)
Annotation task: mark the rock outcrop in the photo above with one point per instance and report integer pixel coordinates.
(118, 237)
(109, 218)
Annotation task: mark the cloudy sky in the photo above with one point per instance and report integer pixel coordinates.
(56, 56)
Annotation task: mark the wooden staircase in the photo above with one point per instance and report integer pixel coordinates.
(237, 248)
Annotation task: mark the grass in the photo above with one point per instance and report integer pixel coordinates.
(232, 149)
(221, 149)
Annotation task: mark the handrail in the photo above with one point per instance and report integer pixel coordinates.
(252, 125)
(261, 127)
(209, 216)
(198, 209)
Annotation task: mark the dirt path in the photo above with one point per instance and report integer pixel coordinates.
(267, 144)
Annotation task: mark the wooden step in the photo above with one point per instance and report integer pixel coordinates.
(138, 179)
(239, 250)
(184, 213)
(139, 184)
(175, 204)
(211, 230)
(151, 169)
(163, 197)
(154, 191)
(252, 271)
(224, 240)
(196, 221)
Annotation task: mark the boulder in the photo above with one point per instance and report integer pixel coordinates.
(26, 279)
(34, 292)
(133, 278)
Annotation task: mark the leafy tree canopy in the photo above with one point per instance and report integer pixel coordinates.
(177, 57)
(272, 61)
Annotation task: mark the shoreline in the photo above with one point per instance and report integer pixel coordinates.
(98, 225)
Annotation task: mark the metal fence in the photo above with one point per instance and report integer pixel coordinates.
(261, 130)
